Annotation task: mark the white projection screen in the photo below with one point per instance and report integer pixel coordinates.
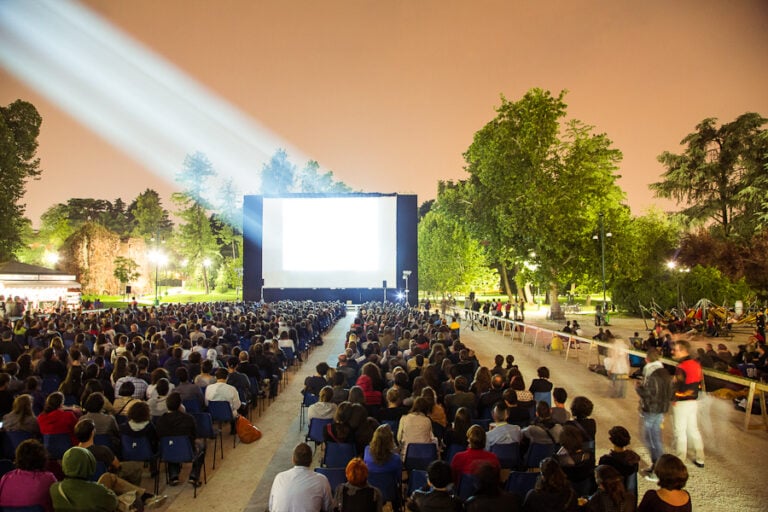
(329, 242)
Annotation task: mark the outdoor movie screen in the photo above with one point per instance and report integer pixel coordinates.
(329, 242)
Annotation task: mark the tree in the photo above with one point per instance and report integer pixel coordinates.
(311, 181)
(277, 176)
(126, 270)
(537, 185)
(148, 216)
(19, 128)
(195, 235)
(720, 176)
(449, 258)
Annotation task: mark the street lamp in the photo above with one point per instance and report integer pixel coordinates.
(672, 266)
(602, 237)
(159, 258)
(406, 275)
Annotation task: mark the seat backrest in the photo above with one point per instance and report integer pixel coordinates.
(316, 428)
(17, 437)
(521, 482)
(192, 406)
(466, 486)
(220, 410)
(28, 508)
(389, 486)
(508, 454)
(57, 444)
(6, 465)
(485, 424)
(136, 448)
(337, 455)
(309, 399)
(538, 452)
(176, 449)
(417, 479)
(419, 455)
(335, 476)
(101, 468)
(204, 424)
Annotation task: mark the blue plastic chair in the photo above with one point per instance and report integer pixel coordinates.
(101, 468)
(521, 482)
(6, 465)
(485, 424)
(316, 429)
(307, 400)
(16, 437)
(29, 508)
(389, 485)
(140, 449)
(538, 452)
(419, 455)
(206, 430)
(50, 384)
(466, 486)
(57, 444)
(417, 479)
(335, 476)
(452, 450)
(192, 406)
(508, 454)
(337, 455)
(179, 450)
(221, 412)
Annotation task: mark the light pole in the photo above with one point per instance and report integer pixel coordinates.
(601, 237)
(672, 266)
(406, 275)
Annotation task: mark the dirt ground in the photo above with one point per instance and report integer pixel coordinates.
(731, 480)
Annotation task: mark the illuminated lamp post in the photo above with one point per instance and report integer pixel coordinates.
(406, 275)
(672, 266)
(159, 258)
(602, 237)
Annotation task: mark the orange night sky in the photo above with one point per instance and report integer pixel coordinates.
(388, 94)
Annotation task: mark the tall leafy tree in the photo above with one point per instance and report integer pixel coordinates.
(195, 236)
(19, 128)
(537, 185)
(310, 179)
(277, 176)
(720, 176)
(125, 270)
(148, 216)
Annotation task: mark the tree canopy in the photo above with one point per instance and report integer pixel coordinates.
(720, 176)
(19, 128)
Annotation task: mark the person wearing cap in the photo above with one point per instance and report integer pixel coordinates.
(77, 492)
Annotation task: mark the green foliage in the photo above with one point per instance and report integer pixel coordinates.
(125, 270)
(537, 184)
(19, 129)
(277, 176)
(720, 176)
(450, 260)
(148, 217)
(311, 181)
(710, 283)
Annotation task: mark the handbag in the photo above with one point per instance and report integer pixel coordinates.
(246, 431)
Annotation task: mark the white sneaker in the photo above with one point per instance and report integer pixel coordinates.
(651, 477)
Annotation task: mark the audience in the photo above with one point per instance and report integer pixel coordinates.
(28, 485)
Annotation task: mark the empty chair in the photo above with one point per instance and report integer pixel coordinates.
(57, 444)
(508, 454)
(419, 455)
(337, 455)
(335, 476)
(521, 482)
(221, 412)
(206, 430)
(315, 431)
(538, 452)
(179, 450)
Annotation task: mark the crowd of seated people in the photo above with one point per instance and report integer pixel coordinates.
(90, 378)
(433, 390)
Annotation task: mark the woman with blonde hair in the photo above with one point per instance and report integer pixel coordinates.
(21, 418)
(381, 454)
(482, 381)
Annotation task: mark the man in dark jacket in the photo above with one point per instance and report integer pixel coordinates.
(655, 391)
(437, 498)
(178, 423)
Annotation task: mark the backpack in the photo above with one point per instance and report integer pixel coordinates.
(246, 431)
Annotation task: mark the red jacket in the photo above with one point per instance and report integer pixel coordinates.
(463, 462)
(60, 421)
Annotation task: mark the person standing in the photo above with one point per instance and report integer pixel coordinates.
(655, 392)
(687, 382)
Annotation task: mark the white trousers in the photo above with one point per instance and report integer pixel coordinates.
(686, 425)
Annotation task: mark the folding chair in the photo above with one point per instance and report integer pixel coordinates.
(417, 479)
(538, 452)
(508, 454)
(140, 449)
(419, 455)
(337, 455)
(57, 444)
(205, 429)
(221, 412)
(452, 450)
(179, 450)
(192, 406)
(16, 437)
(335, 476)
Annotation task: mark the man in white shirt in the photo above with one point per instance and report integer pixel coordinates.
(300, 489)
(501, 432)
(221, 391)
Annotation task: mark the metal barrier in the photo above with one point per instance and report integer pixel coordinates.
(515, 326)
